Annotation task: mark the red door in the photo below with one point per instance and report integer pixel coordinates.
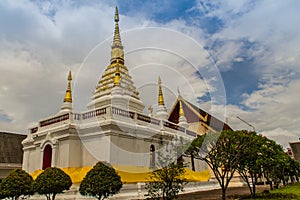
(47, 156)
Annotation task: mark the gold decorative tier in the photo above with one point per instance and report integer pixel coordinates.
(116, 74)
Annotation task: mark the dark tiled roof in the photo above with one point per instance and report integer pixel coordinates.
(11, 148)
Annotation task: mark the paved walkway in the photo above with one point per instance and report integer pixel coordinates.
(216, 193)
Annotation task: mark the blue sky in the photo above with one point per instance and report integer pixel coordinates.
(253, 44)
(197, 14)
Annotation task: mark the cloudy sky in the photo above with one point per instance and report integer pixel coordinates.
(244, 52)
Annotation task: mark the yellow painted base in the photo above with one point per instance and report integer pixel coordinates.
(129, 174)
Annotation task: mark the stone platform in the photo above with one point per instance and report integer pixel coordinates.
(130, 191)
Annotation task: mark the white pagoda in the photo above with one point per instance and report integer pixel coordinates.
(114, 128)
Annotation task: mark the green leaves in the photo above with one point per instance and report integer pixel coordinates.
(101, 182)
(247, 153)
(223, 153)
(167, 181)
(52, 181)
(16, 184)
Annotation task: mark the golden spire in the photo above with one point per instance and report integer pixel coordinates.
(160, 94)
(181, 112)
(117, 53)
(68, 96)
(117, 76)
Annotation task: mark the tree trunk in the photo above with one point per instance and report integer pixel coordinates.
(192, 162)
(292, 179)
(254, 190)
(271, 185)
(223, 193)
(248, 183)
(254, 181)
(53, 196)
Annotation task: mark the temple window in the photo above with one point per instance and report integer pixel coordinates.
(152, 156)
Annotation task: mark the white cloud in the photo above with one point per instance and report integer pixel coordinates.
(40, 42)
(271, 25)
(272, 31)
(36, 53)
(274, 112)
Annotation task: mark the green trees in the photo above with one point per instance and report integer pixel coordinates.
(18, 183)
(52, 181)
(250, 165)
(221, 154)
(272, 161)
(265, 158)
(294, 170)
(101, 182)
(251, 155)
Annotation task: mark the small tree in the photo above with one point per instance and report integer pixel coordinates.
(167, 181)
(18, 183)
(222, 152)
(51, 182)
(101, 182)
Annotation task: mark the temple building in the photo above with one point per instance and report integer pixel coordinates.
(295, 150)
(114, 128)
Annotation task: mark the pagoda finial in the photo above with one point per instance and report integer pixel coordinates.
(160, 94)
(182, 119)
(161, 111)
(117, 53)
(116, 14)
(68, 96)
(181, 112)
(179, 94)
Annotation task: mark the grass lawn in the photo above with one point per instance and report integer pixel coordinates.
(291, 191)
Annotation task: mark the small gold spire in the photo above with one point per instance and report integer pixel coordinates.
(181, 112)
(117, 53)
(117, 76)
(116, 14)
(68, 96)
(160, 94)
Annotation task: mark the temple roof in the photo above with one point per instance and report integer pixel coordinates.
(194, 114)
(11, 148)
